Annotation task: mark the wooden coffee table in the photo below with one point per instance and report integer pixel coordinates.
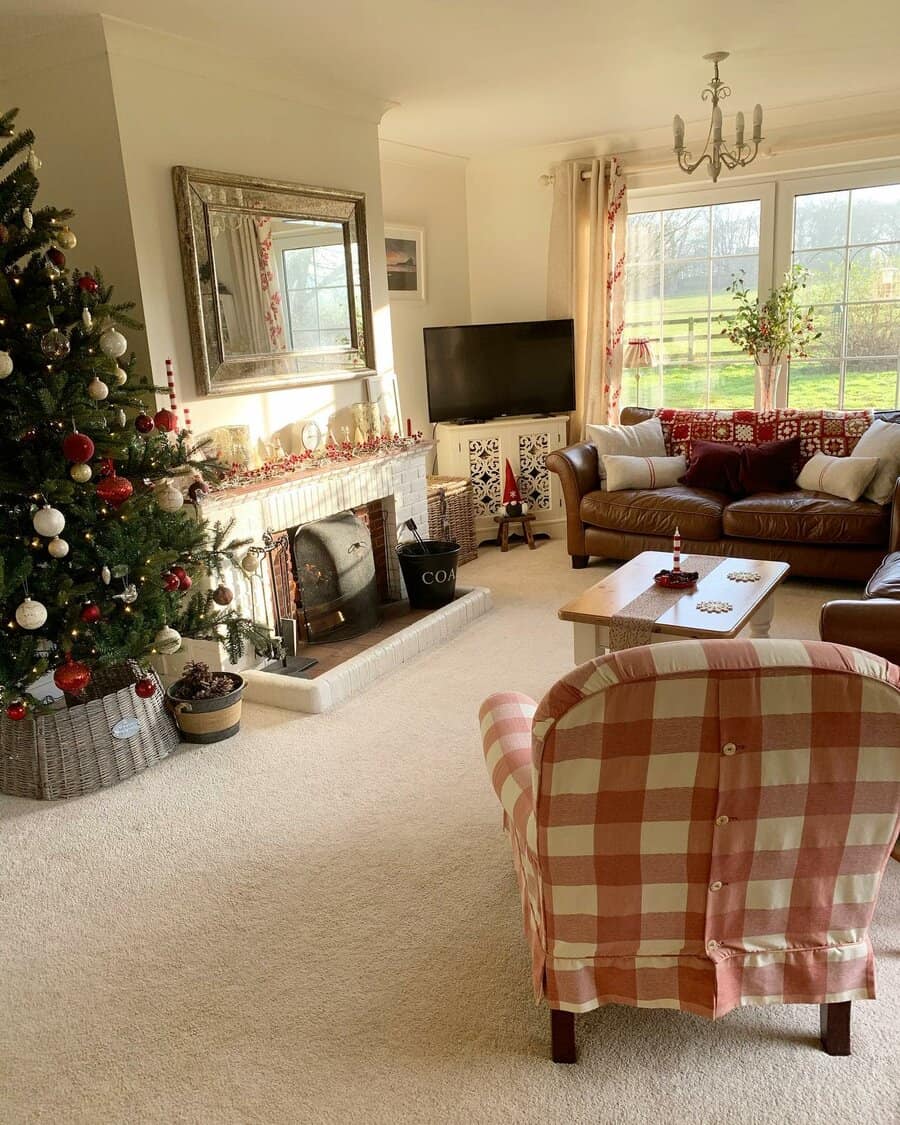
(753, 602)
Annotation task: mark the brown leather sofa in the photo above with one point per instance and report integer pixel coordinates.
(819, 535)
(873, 623)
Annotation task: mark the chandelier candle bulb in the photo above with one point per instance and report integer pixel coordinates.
(739, 128)
(678, 129)
(717, 123)
(757, 122)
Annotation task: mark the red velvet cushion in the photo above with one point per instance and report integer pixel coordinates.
(771, 466)
(715, 465)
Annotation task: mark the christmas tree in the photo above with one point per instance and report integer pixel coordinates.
(97, 546)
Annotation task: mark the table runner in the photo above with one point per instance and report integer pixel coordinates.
(633, 624)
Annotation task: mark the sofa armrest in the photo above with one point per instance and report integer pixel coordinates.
(894, 534)
(578, 469)
(872, 625)
(506, 720)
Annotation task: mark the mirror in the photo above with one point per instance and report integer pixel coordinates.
(276, 280)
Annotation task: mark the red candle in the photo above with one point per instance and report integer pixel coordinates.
(409, 427)
(676, 552)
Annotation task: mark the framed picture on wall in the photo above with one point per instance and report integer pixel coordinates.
(404, 249)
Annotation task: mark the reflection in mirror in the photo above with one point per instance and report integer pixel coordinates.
(277, 282)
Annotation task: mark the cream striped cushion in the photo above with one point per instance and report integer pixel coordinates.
(642, 472)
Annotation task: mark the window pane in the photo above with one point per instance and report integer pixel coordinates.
(826, 275)
(875, 273)
(821, 220)
(733, 385)
(686, 233)
(685, 385)
(724, 271)
(829, 321)
(870, 380)
(305, 341)
(875, 214)
(303, 310)
(299, 269)
(815, 384)
(643, 236)
(874, 329)
(686, 286)
(642, 291)
(333, 309)
(735, 228)
(331, 265)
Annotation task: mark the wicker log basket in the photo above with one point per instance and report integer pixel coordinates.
(451, 514)
(88, 746)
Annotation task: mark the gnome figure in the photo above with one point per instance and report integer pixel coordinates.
(512, 500)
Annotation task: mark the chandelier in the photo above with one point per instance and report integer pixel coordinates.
(717, 155)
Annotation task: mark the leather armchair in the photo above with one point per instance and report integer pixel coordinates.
(578, 469)
(873, 623)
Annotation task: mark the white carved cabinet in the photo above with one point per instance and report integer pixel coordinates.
(480, 451)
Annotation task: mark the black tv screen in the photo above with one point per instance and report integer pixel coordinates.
(480, 371)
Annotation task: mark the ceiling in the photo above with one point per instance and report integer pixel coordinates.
(472, 76)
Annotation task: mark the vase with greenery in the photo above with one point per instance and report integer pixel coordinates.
(771, 331)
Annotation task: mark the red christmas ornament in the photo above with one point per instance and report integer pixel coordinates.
(143, 423)
(106, 467)
(144, 688)
(77, 447)
(56, 256)
(223, 596)
(171, 581)
(184, 579)
(72, 677)
(165, 420)
(114, 490)
(90, 613)
(196, 490)
(16, 710)
(88, 284)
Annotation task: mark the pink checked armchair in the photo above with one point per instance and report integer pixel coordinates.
(702, 825)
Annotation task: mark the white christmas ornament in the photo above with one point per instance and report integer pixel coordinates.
(80, 473)
(48, 521)
(120, 377)
(97, 389)
(105, 574)
(168, 497)
(28, 218)
(86, 319)
(34, 161)
(58, 548)
(113, 343)
(31, 614)
(167, 640)
(66, 239)
(119, 419)
(250, 563)
(6, 365)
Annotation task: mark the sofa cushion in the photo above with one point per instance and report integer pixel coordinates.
(806, 517)
(715, 463)
(885, 582)
(697, 513)
(770, 466)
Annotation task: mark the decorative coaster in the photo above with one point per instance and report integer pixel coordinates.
(745, 576)
(715, 607)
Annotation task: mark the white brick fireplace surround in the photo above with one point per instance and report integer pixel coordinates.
(399, 480)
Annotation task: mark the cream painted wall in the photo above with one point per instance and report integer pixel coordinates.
(427, 190)
(509, 207)
(62, 86)
(177, 106)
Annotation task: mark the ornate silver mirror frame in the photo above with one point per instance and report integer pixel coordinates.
(259, 320)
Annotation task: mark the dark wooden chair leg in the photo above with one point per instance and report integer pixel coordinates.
(835, 1023)
(579, 562)
(529, 534)
(562, 1036)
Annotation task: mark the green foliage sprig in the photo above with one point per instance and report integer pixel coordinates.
(776, 329)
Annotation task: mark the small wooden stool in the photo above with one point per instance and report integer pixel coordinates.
(525, 520)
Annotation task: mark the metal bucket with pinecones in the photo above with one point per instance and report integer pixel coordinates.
(206, 704)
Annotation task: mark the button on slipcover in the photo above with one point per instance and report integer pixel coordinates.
(806, 517)
(658, 511)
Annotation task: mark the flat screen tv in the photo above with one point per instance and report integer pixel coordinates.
(480, 371)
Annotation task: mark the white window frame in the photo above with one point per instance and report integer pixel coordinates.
(788, 187)
(642, 200)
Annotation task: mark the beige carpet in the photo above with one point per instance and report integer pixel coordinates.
(318, 922)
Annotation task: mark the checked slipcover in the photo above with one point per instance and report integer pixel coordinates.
(702, 824)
